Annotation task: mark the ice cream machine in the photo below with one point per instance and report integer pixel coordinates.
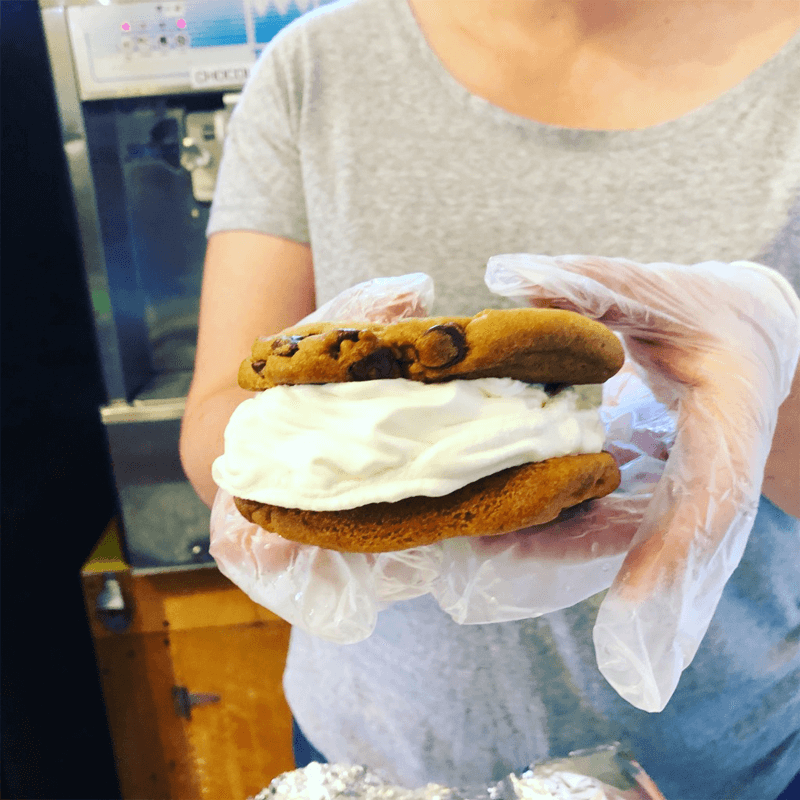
(144, 93)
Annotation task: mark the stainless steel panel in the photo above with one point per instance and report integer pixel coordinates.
(163, 226)
(126, 294)
(80, 174)
(164, 521)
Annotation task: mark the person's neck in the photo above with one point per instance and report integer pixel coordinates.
(614, 64)
(637, 31)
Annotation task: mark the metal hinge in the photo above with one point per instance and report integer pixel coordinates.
(184, 701)
(110, 608)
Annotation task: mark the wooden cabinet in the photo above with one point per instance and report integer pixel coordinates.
(191, 672)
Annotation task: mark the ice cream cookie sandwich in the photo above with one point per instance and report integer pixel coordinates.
(370, 437)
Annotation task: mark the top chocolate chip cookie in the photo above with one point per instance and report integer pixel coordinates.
(531, 345)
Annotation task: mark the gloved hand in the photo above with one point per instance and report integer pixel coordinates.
(333, 595)
(337, 596)
(718, 344)
(519, 575)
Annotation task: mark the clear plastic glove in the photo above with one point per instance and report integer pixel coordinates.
(718, 344)
(337, 596)
(333, 595)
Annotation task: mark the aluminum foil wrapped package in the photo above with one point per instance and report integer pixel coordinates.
(603, 773)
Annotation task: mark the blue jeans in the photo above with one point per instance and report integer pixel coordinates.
(304, 752)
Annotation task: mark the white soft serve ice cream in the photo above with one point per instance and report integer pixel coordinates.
(341, 445)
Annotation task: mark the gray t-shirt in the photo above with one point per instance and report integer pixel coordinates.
(352, 136)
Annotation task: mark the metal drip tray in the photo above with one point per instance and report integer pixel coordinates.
(163, 398)
(165, 523)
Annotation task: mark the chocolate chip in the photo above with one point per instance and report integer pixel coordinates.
(286, 345)
(408, 353)
(380, 363)
(258, 366)
(442, 346)
(342, 335)
(552, 389)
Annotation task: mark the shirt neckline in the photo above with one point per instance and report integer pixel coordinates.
(588, 137)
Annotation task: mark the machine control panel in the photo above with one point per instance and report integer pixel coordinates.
(135, 49)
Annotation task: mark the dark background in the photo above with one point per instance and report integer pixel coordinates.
(57, 495)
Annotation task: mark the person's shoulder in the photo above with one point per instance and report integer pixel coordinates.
(334, 24)
(330, 46)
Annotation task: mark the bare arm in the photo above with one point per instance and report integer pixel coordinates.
(782, 473)
(253, 284)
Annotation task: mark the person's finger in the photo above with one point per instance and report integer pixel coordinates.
(634, 299)
(327, 593)
(538, 570)
(691, 539)
(594, 530)
(248, 547)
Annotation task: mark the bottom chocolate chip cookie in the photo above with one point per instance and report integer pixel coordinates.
(515, 498)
